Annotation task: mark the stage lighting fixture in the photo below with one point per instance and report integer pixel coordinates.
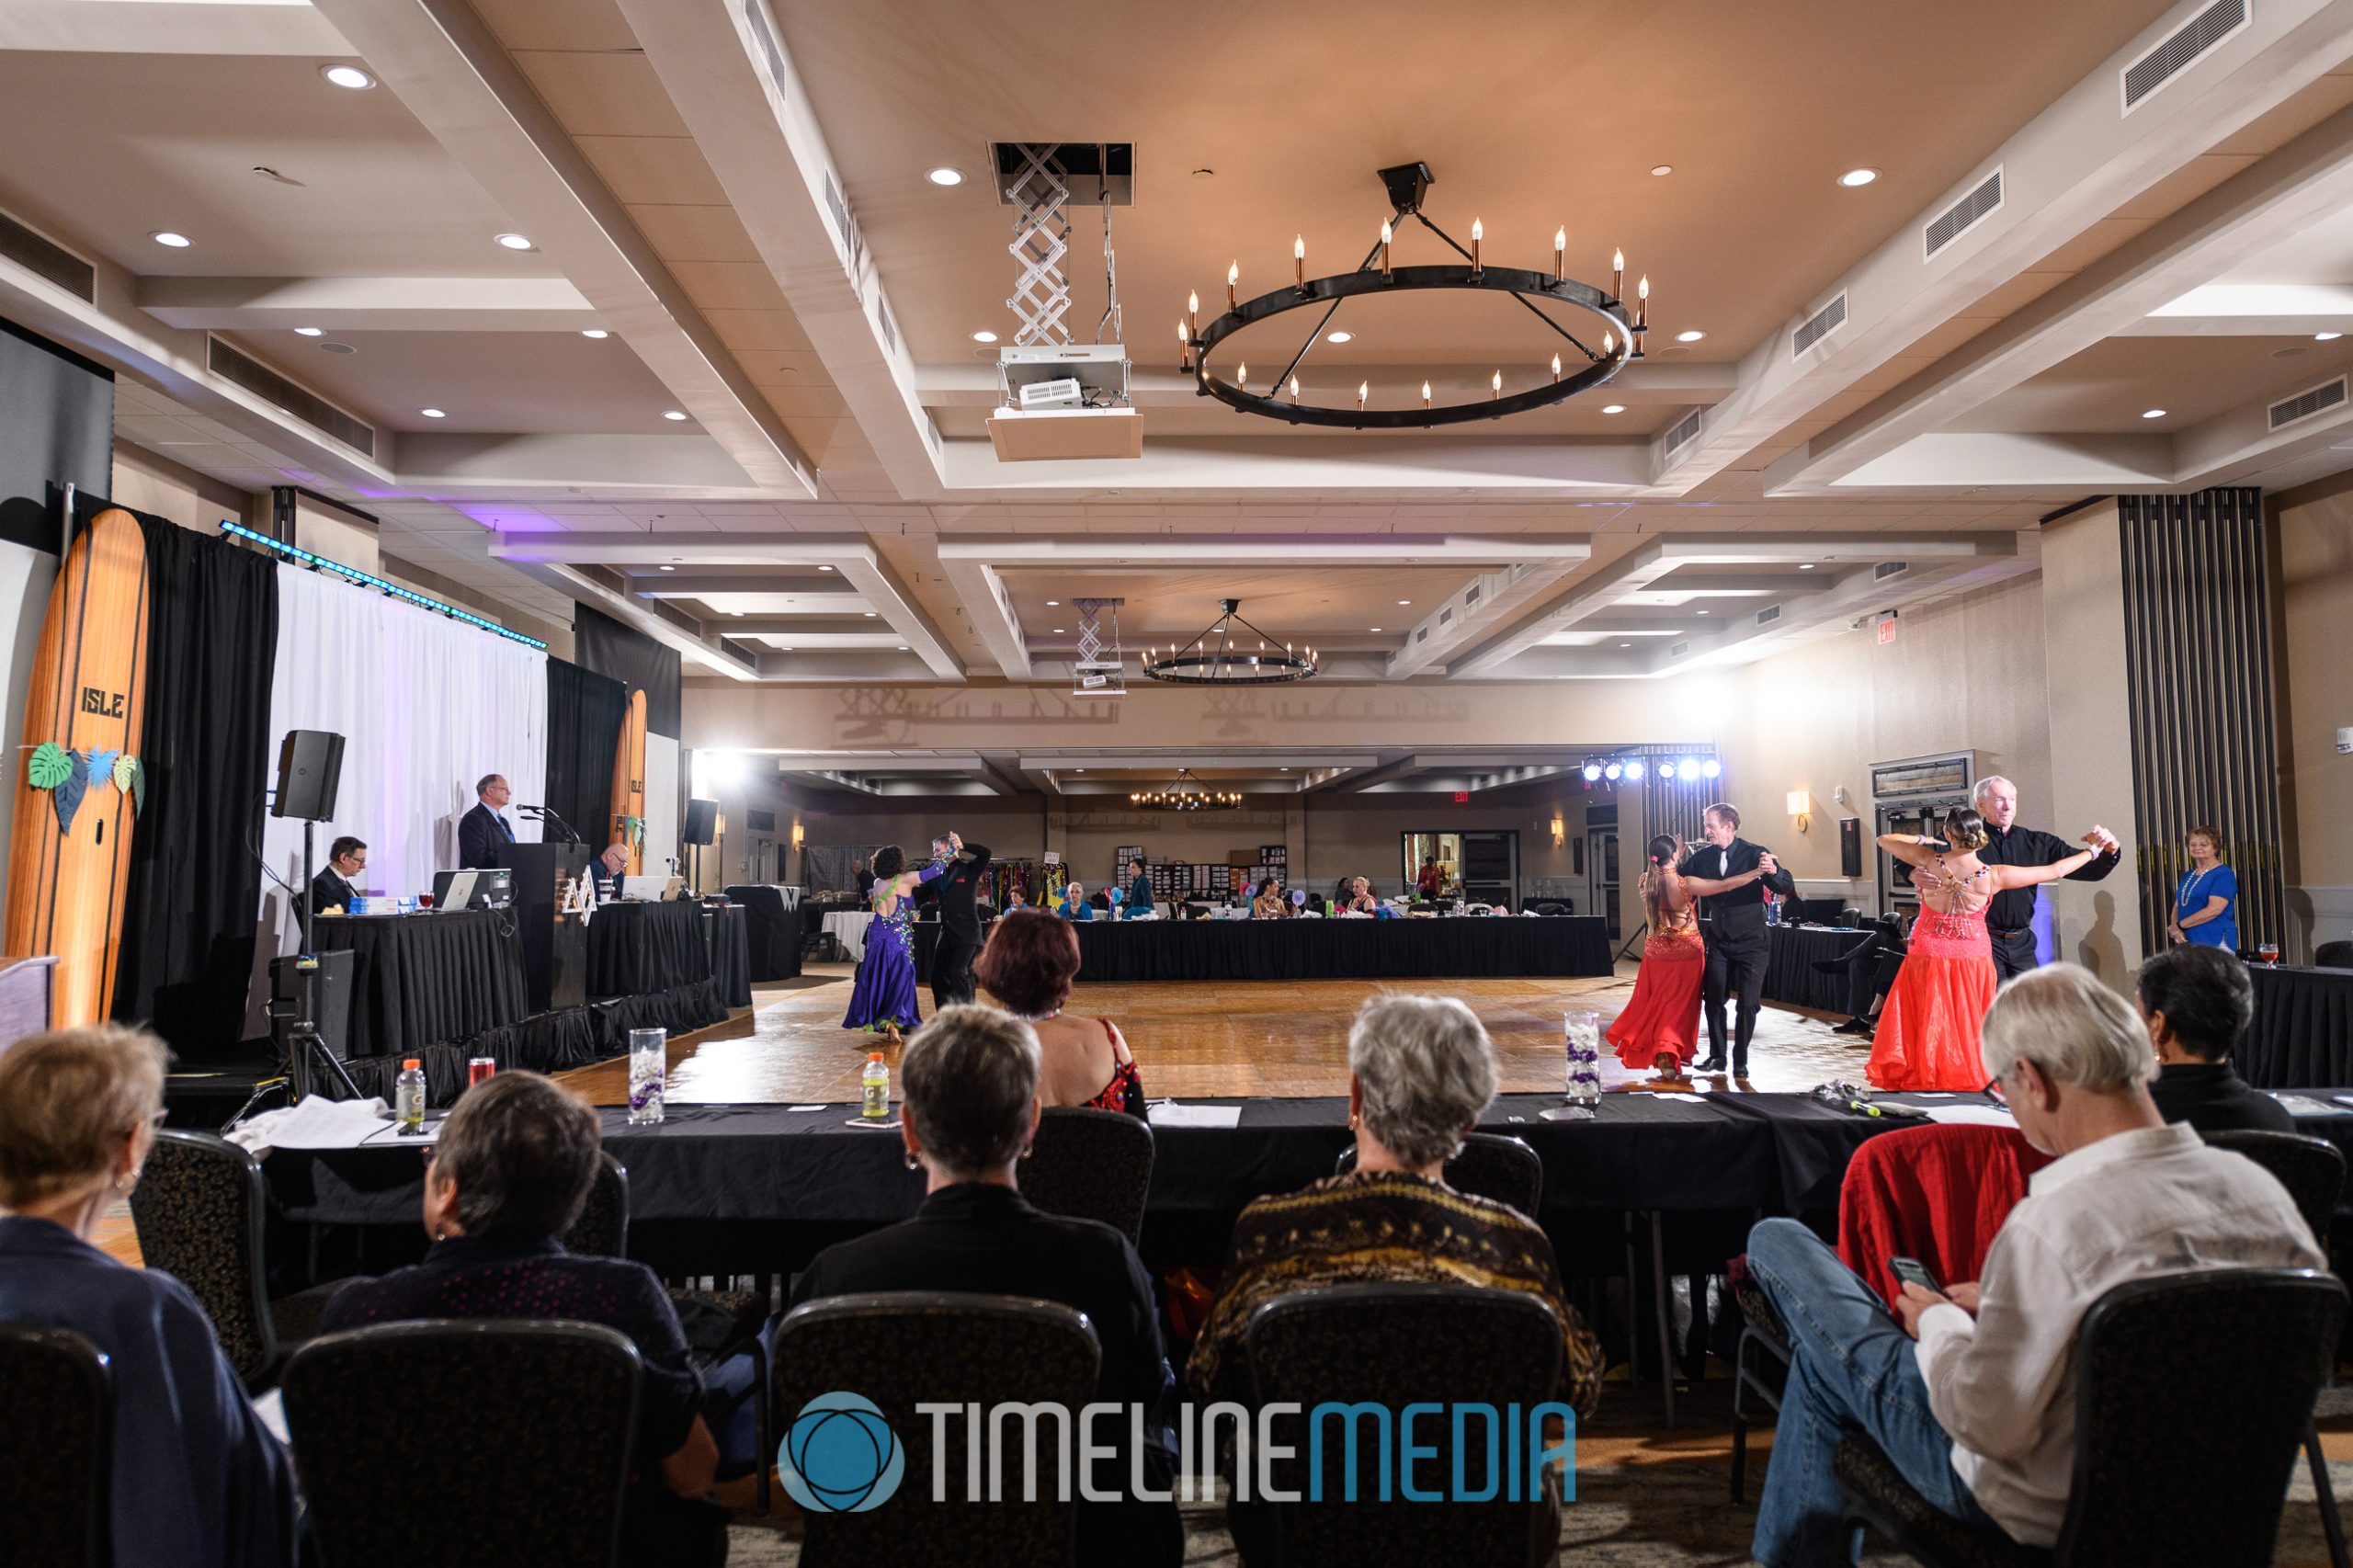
(1711, 768)
(1592, 771)
(1633, 770)
(1611, 772)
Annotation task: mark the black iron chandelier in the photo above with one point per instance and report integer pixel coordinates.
(1590, 366)
(1222, 655)
(1188, 794)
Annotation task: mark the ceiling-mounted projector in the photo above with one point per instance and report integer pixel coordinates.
(1065, 401)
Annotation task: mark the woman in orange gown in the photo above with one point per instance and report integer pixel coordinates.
(1927, 1036)
(1660, 1026)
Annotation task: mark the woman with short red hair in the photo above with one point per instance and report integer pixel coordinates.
(1029, 964)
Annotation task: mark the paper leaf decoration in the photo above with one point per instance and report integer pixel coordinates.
(66, 797)
(97, 766)
(130, 774)
(50, 766)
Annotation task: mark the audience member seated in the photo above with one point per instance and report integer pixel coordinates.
(1027, 965)
(1360, 899)
(970, 1076)
(1074, 905)
(1268, 903)
(2198, 1002)
(197, 1479)
(515, 1162)
(1420, 1071)
(1980, 1415)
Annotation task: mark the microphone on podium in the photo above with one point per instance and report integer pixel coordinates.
(548, 813)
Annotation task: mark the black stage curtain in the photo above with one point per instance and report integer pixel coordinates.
(630, 657)
(585, 711)
(187, 928)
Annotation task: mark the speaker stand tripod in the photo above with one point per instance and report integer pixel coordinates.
(306, 1051)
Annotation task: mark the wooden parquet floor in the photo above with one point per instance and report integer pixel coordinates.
(1211, 1039)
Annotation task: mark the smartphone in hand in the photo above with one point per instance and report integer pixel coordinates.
(1912, 1272)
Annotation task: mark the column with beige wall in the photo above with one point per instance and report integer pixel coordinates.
(2314, 608)
(2095, 924)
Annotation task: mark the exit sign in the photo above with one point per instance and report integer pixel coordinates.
(1462, 797)
(1887, 631)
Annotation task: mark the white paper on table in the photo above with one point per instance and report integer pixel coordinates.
(1971, 1116)
(804, 1107)
(1168, 1113)
(313, 1123)
(1678, 1095)
(2305, 1105)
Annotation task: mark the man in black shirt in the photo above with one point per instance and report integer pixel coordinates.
(958, 889)
(865, 882)
(2198, 1002)
(337, 885)
(1732, 915)
(2009, 919)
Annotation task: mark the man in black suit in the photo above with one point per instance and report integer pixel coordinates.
(482, 831)
(2009, 919)
(958, 889)
(335, 887)
(2196, 1003)
(865, 882)
(1732, 916)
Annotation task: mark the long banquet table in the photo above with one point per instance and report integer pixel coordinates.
(1342, 949)
(2304, 1028)
(1791, 953)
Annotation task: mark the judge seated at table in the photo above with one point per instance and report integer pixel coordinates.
(337, 885)
(1074, 905)
(608, 869)
(2198, 1002)
(1269, 903)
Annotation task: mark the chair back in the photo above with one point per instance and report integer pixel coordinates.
(2195, 1391)
(487, 1444)
(56, 1462)
(1936, 1193)
(896, 1349)
(197, 1209)
(2311, 1169)
(1087, 1163)
(1393, 1345)
(602, 1229)
(1494, 1165)
(2333, 955)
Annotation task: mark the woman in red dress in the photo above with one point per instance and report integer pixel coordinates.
(1660, 1027)
(1927, 1036)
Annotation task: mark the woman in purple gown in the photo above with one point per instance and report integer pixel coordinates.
(884, 999)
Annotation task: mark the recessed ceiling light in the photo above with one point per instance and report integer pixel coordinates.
(1614, 408)
(168, 238)
(672, 414)
(513, 241)
(903, 647)
(1805, 565)
(1078, 770)
(338, 348)
(1373, 629)
(944, 175)
(594, 332)
(1854, 179)
(984, 337)
(1662, 168)
(1341, 338)
(1404, 601)
(666, 569)
(1057, 631)
(1703, 612)
(2152, 413)
(346, 75)
(1689, 336)
(824, 568)
(869, 615)
(436, 413)
(306, 332)
(1054, 602)
(1625, 644)
(736, 612)
(2326, 336)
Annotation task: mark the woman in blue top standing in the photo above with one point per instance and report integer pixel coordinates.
(2206, 907)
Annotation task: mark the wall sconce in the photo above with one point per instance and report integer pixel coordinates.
(1802, 808)
(796, 836)
(1560, 831)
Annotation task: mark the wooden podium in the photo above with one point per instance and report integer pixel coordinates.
(555, 945)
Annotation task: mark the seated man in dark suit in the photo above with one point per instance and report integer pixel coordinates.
(482, 831)
(337, 884)
(2198, 1002)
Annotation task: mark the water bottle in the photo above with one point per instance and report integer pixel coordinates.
(874, 1088)
(1772, 910)
(408, 1099)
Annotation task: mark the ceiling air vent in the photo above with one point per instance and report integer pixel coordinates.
(2304, 405)
(1676, 649)
(1819, 325)
(1958, 218)
(1687, 432)
(2169, 59)
(1471, 595)
(1768, 614)
(1886, 569)
(47, 259)
(241, 370)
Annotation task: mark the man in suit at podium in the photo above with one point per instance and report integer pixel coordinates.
(482, 830)
(335, 885)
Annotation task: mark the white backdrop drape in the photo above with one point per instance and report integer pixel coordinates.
(426, 706)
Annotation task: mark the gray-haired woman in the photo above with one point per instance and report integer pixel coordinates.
(1420, 1071)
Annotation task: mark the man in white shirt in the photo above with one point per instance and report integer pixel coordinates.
(1980, 1415)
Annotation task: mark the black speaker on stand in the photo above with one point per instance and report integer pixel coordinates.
(309, 770)
(701, 828)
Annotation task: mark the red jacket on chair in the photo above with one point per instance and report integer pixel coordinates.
(1935, 1193)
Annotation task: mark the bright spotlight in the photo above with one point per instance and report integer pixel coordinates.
(1711, 768)
(1633, 770)
(1612, 772)
(1687, 770)
(1592, 771)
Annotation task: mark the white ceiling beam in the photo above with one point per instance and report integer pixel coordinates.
(2006, 462)
(159, 27)
(475, 465)
(2249, 309)
(1478, 607)
(451, 72)
(1248, 466)
(368, 304)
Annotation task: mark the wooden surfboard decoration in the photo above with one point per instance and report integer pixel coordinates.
(627, 824)
(78, 782)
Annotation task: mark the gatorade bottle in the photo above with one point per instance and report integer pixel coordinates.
(875, 1085)
(409, 1098)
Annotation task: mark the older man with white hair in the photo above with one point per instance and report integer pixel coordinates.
(1979, 1416)
(2009, 919)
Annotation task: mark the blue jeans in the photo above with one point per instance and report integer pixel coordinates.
(1853, 1371)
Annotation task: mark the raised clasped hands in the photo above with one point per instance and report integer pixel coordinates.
(1766, 865)
(2099, 839)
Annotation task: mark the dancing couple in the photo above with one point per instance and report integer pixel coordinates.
(1681, 966)
(882, 1000)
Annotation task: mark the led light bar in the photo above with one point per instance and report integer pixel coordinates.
(366, 580)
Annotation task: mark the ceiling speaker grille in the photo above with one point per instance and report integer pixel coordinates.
(1886, 569)
(2304, 405)
(39, 255)
(241, 370)
(1819, 325)
(1962, 215)
(2169, 60)
(1686, 431)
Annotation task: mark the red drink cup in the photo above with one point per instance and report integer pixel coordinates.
(478, 1068)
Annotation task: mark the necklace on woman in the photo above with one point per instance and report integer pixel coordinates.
(2191, 886)
(1039, 1017)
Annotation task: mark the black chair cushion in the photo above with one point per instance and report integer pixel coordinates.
(1087, 1163)
(1882, 1495)
(198, 1211)
(54, 1458)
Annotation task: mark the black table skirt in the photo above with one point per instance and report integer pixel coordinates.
(423, 980)
(1340, 950)
(730, 954)
(2304, 1028)
(1790, 974)
(772, 932)
(639, 948)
